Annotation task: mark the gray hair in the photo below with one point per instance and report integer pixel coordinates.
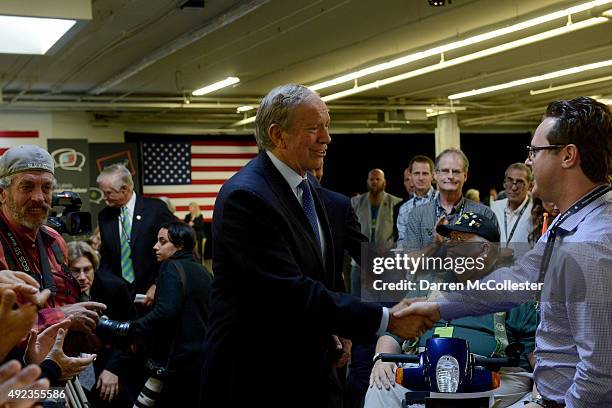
(458, 152)
(6, 181)
(520, 166)
(277, 108)
(118, 174)
(77, 249)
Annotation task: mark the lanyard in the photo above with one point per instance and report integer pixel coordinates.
(508, 238)
(552, 235)
(45, 279)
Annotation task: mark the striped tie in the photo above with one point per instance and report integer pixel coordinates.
(127, 269)
(309, 209)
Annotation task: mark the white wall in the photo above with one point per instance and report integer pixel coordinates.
(61, 125)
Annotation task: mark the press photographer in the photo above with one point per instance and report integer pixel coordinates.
(177, 323)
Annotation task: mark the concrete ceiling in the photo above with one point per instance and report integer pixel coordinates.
(137, 61)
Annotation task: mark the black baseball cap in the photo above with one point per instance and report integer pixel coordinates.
(472, 223)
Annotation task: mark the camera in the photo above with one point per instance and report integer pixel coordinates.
(71, 221)
(108, 329)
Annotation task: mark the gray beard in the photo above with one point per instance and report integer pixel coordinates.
(20, 218)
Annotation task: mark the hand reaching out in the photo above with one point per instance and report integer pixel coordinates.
(15, 322)
(83, 315)
(410, 318)
(13, 378)
(70, 366)
(429, 309)
(39, 345)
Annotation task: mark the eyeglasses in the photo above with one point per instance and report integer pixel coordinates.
(76, 272)
(532, 150)
(509, 182)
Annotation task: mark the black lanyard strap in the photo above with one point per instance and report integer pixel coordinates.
(23, 263)
(552, 235)
(508, 238)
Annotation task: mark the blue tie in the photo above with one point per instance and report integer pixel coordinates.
(309, 209)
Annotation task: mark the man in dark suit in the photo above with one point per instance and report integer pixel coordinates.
(273, 310)
(128, 229)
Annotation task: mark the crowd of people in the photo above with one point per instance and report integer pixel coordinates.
(133, 315)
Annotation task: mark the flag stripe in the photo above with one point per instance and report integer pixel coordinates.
(183, 195)
(244, 143)
(216, 168)
(18, 133)
(223, 155)
(219, 162)
(11, 138)
(224, 149)
(162, 191)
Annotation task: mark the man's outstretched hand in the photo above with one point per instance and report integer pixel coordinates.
(410, 318)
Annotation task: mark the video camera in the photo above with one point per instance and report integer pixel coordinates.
(71, 221)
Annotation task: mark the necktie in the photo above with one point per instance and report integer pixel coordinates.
(127, 268)
(309, 209)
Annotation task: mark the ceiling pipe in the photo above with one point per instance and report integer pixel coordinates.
(180, 43)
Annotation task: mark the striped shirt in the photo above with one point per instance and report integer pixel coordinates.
(574, 338)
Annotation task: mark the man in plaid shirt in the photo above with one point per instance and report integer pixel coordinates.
(26, 244)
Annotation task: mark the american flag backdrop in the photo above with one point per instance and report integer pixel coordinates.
(192, 171)
(10, 138)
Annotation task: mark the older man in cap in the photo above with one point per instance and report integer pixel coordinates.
(471, 236)
(26, 244)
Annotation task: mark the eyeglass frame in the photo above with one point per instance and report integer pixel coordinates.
(509, 182)
(77, 272)
(532, 150)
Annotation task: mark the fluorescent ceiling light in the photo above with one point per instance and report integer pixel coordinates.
(607, 13)
(216, 86)
(459, 44)
(519, 82)
(605, 101)
(244, 108)
(469, 57)
(572, 85)
(31, 35)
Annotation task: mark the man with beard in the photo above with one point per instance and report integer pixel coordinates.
(26, 244)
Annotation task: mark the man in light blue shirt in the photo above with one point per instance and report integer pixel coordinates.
(422, 173)
(571, 156)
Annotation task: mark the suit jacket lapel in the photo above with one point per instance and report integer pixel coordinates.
(137, 219)
(326, 227)
(114, 228)
(290, 203)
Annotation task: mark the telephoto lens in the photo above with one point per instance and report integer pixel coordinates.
(147, 397)
(108, 329)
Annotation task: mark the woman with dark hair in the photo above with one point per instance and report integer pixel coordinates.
(178, 322)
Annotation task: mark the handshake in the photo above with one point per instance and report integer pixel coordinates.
(410, 318)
